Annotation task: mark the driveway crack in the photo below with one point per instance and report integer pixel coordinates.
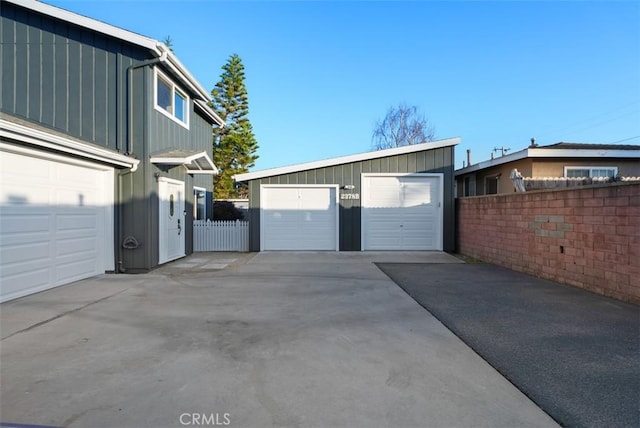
(47, 321)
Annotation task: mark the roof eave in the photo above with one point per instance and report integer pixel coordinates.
(542, 153)
(346, 159)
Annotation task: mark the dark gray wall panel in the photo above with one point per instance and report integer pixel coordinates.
(34, 88)
(48, 67)
(7, 55)
(64, 77)
(21, 32)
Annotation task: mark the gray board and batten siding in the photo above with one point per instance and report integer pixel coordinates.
(439, 160)
(77, 81)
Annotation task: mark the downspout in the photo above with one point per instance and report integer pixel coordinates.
(129, 150)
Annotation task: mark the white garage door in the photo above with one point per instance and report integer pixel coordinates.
(299, 218)
(56, 222)
(401, 212)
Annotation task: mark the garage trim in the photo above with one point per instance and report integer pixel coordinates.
(50, 141)
(440, 220)
(336, 201)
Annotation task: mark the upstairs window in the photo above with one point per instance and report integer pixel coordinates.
(170, 100)
(590, 171)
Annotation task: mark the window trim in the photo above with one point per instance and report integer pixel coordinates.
(174, 89)
(590, 168)
(196, 190)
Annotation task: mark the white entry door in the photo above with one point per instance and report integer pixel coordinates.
(401, 212)
(172, 218)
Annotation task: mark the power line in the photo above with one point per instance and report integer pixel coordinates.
(626, 139)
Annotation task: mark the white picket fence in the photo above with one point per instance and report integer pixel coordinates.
(220, 235)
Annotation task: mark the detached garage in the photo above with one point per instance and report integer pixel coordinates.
(394, 199)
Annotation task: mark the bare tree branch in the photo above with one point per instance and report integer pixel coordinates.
(402, 126)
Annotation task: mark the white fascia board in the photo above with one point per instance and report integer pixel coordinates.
(522, 154)
(181, 71)
(187, 161)
(89, 23)
(347, 159)
(210, 113)
(60, 144)
(583, 153)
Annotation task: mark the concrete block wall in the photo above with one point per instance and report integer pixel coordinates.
(585, 237)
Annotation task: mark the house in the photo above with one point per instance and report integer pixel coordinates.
(575, 163)
(395, 199)
(105, 150)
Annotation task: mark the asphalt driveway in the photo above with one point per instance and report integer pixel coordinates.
(275, 339)
(575, 353)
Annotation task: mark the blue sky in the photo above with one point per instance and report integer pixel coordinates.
(495, 73)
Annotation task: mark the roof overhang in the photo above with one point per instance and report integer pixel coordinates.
(347, 159)
(24, 133)
(205, 109)
(195, 162)
(544, 153)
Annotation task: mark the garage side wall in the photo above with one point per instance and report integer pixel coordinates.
(430, 161)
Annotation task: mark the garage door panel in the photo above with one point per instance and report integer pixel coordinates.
(74, 270)
(78, 221)
(299, 218)
(77, 247)
(410, 217)
(13, 223)
(14, 284)
(36, 252)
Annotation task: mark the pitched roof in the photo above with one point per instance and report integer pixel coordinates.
(347, 159)
(157, 49)
(560, 150)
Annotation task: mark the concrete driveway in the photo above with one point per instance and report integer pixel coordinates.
(273, 339)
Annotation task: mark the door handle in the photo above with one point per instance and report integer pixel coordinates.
(179, 227)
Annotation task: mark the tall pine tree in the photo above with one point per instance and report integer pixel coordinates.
(235, 145)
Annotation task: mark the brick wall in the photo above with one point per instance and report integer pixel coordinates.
(586, 237)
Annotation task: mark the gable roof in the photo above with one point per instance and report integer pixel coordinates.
(560, 150)
(347, 159)
(156, 48)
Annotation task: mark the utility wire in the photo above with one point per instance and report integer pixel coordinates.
(626, 139)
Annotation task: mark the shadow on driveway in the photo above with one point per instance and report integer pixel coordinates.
(574, 353)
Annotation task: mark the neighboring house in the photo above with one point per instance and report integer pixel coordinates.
(571, 161)
(106, 143)
(394, 199)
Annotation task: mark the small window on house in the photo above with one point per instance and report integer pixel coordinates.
(590, 171)
(170, 100)
(491, 185)
(199, 203)
(467, 186)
